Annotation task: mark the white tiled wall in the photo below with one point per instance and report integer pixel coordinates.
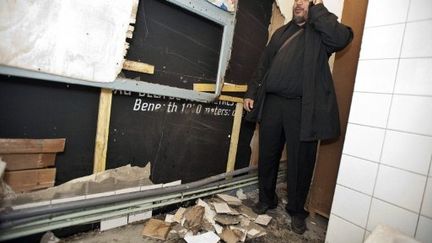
(391, 215)
(357, 174)
(424, 232)
(385, 173)
(376, 75)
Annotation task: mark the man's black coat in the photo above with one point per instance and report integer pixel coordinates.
(323, 36)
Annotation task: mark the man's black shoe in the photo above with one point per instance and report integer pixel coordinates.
(261, 208)
(298, 225)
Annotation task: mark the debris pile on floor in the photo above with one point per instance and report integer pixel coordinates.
(223, 217)
(278, 230)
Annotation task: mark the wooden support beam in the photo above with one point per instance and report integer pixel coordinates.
(227, 87)
(234, 137)
(101, 144)
(25, 146)
(138, 67)
(231, 98)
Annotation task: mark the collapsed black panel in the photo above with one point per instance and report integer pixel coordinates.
(250, 38)
(183, 143)
(182, 139)
(183, 47)
(179, 143)
(32, 108)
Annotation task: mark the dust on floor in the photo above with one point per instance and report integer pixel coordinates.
(278, 230)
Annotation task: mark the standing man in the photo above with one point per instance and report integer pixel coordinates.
(298, 105)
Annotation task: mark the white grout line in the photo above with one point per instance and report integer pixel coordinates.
(390, 129)
(386, 165)
(392, 58)
(399, 23)
(382, 200)
(399, 94)
(423, 197)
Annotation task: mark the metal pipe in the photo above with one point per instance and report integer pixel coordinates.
(67, 206)
(46, 217)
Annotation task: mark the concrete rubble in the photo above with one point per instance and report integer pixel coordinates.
(243, 229)
(222, 217)
(157, 229)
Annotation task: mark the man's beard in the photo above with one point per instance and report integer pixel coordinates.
(299, 19)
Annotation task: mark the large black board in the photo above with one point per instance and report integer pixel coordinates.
(183, 47)
(182, 139)
(250, 38)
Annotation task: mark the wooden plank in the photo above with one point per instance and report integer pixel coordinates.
(234, 137)
(28, 161)
(102, 133)
(31, 146)
(231, 98)
(138, 67)
(227, 87)
(28, 180)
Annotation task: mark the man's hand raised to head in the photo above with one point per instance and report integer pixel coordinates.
(248, 104)
(317, 2)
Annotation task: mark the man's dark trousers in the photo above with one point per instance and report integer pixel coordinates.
(280, 123)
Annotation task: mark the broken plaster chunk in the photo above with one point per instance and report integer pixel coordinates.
(193, 218)
(157, 229)
(209, 215)
(206, 225)
(245, 221)
(223, 208)
(169, 218)
(208, 212)
(178, 216)
(252, 233)
(217, 228)
(240, 232)
(263, 219)
(49, 237)
(179, 230)
(230, 199)
(247, 212)
(227, 219)
(252, 230)
(230, 236)
(240, 194)
(209, 237)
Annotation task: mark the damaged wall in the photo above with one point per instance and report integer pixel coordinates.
(183, 140)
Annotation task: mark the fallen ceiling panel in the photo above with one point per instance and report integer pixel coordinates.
(73, 38)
